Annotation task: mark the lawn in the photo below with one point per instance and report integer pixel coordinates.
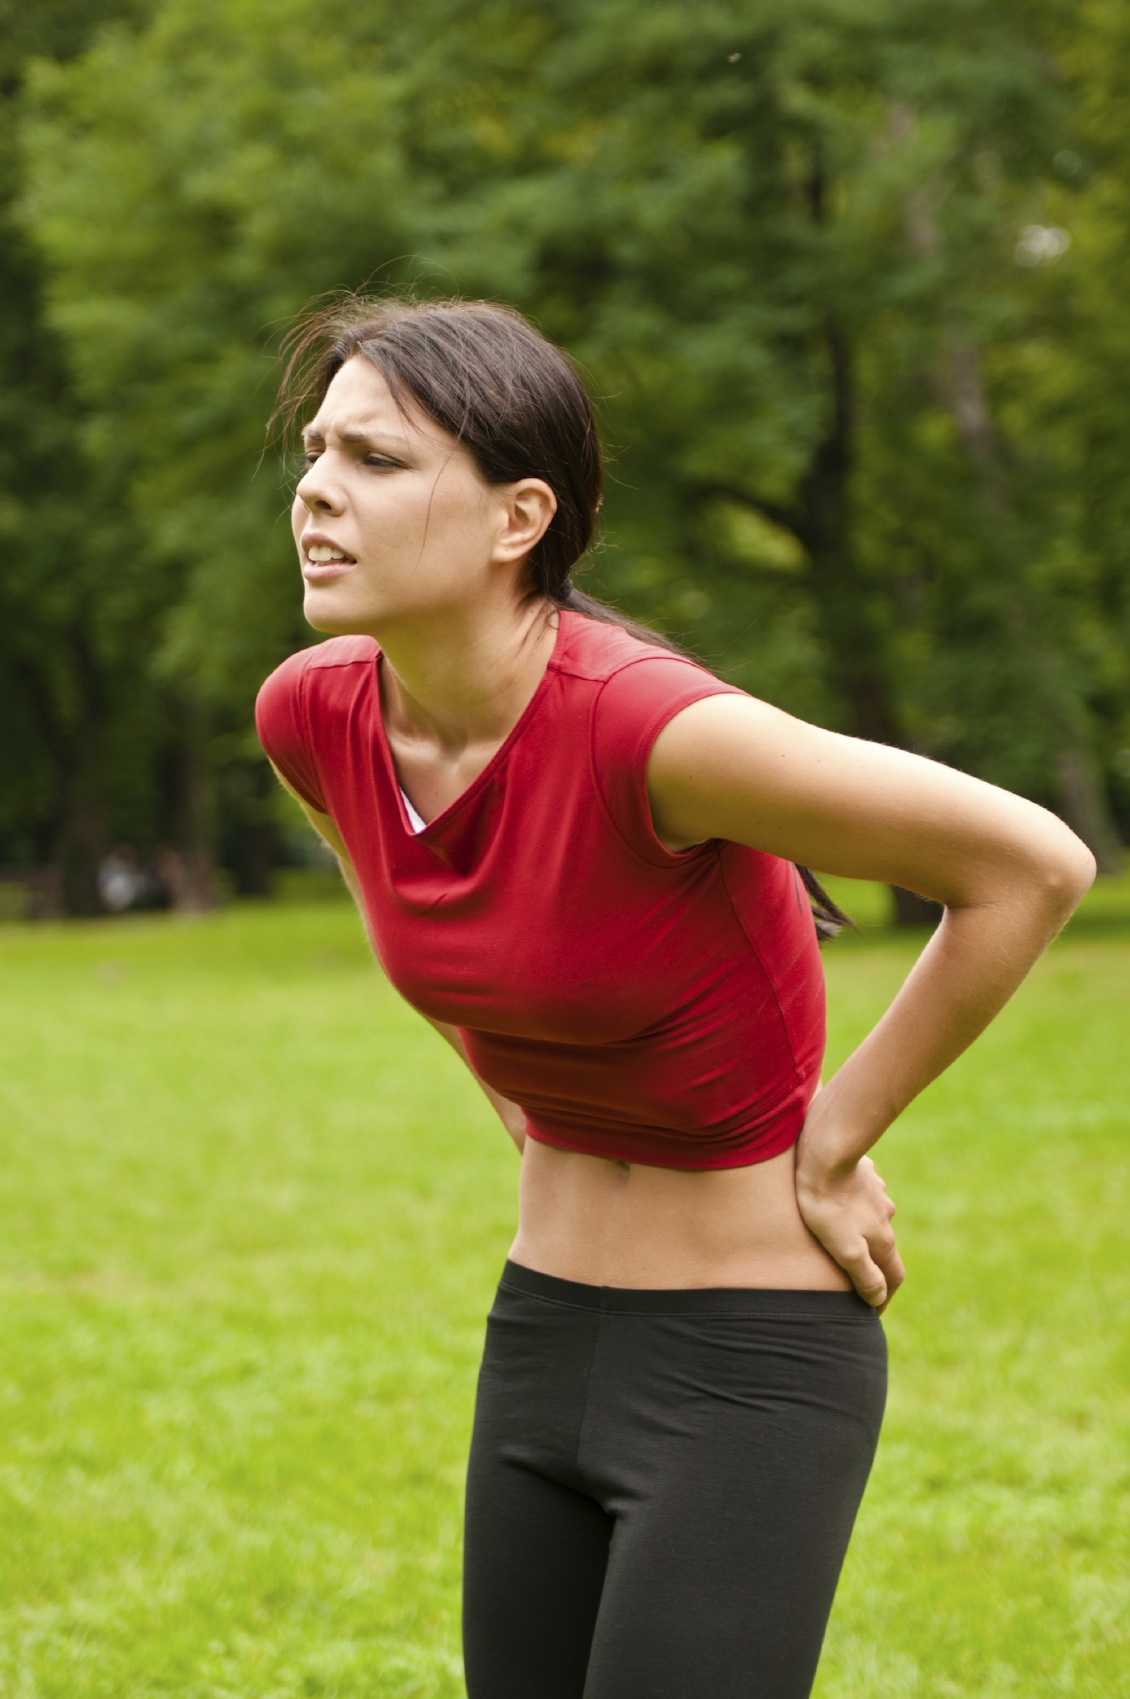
(252, 1213)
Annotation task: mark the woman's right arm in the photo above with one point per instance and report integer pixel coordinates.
(512, 1118)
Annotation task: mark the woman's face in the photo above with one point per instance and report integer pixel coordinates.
(393, 519)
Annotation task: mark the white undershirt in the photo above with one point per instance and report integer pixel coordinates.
(416, 821)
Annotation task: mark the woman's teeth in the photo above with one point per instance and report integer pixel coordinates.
(321, 552)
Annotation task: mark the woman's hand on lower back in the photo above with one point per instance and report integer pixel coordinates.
(849, 1211)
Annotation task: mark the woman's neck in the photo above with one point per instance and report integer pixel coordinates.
(464, 683)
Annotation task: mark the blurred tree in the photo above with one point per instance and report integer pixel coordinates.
(65, 672)
(1084, 377)
(182, 225)
(784, 243)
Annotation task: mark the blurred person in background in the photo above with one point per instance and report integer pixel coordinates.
(124, 883)
(584, 859)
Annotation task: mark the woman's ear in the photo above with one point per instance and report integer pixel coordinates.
(527, 508)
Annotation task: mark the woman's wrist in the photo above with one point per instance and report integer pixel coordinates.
(818, 1175)
(844, 1204)
(829, 1149)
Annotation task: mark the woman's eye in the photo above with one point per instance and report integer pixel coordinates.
(379, 460)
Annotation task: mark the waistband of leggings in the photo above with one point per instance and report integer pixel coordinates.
(765, 1301)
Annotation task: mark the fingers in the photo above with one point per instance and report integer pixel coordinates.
(875, 1269)
(852, 1220)
(895, 1275)
(865, 1275)
(882, 1250)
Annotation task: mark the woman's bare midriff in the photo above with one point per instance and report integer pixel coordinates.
(623, 1224)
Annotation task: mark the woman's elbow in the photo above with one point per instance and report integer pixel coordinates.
(1067, 872)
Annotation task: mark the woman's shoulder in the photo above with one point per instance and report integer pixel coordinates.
(635, 688)
(306, 669)
(638, 686)
(303, 699)
(331, 652)
(598, 649)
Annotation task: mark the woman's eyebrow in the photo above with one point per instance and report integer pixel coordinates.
(314, 433)
(373, 440)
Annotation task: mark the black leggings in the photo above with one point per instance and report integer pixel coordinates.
(661, 1488)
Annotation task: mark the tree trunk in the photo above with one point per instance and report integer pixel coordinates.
(71, 734)
(1086, 809)
(1083, 800)
(45, 892)
(187, 866)
(84, 847)
(856, 658)
(249, 834)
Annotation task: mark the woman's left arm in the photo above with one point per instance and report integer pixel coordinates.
(1007, 872)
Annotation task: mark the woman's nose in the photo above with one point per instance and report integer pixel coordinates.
(315, 490)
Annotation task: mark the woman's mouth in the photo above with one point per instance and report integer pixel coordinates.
(323, 562)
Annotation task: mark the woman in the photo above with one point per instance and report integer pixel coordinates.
(576, 852)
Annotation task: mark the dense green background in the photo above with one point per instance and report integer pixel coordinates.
(848, 277)
(252, 1215)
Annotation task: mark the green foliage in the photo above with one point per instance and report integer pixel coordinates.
(1085, 378)
(255, 164)
(253, 1215)
(68, 604)
(865, 460)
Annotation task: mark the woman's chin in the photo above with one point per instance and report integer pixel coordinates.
(333, 614)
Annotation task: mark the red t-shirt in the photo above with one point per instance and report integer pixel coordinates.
(655, 1008)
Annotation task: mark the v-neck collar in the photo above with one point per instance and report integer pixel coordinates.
(433, 829)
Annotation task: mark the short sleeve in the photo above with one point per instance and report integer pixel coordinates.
(633, 707)
(280, 720)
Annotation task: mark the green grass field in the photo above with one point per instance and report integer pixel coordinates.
(252, 1213)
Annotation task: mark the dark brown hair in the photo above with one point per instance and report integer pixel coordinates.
(496, 385)
(489, 379)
